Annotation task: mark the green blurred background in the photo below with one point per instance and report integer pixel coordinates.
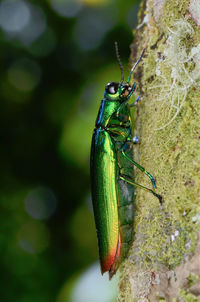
(56, 57)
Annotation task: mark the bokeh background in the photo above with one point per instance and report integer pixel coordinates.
(56, 57)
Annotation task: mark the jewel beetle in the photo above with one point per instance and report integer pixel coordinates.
(111, 169)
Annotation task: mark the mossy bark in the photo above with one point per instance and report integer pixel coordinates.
(164, 260)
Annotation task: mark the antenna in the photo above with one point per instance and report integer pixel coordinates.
(134, 66)
(119, 61)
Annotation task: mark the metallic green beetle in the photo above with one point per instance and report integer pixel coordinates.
(112, 173)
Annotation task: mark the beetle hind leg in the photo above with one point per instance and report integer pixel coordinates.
(126, 178)
(153, 181)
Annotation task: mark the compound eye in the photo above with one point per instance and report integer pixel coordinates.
(112, 87)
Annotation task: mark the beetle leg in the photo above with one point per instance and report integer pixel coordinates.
(123, 117)
(135, 103)
(132, 90)
(131, 182)
(135, 140)
(153, 181)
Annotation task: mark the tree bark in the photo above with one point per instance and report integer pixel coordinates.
(164, 260)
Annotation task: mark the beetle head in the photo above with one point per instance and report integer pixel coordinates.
(118, 91)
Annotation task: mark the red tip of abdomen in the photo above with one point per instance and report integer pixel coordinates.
(108, 263)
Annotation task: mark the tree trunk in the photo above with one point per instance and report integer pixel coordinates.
(164, 260)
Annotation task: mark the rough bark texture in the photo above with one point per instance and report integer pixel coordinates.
(164, 260)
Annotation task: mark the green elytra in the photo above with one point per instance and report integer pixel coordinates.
(111, 167)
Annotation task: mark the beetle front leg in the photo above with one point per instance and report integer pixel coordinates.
(136, 101)
(135, 140)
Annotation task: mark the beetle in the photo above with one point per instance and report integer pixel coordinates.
(111, 169)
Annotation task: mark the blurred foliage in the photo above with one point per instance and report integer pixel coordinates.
(56, 57)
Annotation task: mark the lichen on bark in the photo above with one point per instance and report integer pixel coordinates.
(165, 249)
